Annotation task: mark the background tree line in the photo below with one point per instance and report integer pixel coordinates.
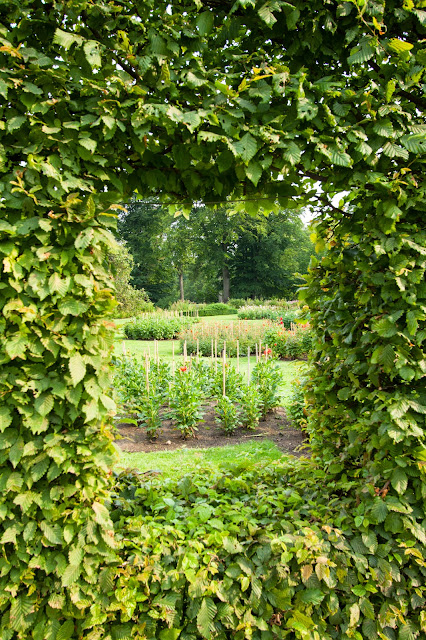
(213, 253)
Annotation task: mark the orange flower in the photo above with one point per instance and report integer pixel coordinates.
(183, 368)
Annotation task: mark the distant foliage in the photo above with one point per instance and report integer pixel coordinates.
(204, 336)
(156, 327)
(290, 344)
(216, 309)
(131, 301)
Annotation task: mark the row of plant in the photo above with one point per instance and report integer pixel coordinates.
(157, 327)
(240, 339)
(210, 339)
(269, 312)
(151, 392)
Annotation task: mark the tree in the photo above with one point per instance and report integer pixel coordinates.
(191, 102)
(131, 301)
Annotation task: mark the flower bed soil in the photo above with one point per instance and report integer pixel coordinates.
(275, 427)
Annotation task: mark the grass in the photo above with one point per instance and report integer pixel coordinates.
(177, 463)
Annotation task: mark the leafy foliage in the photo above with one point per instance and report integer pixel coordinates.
(156, 327)
(201, 103)
(216, 309)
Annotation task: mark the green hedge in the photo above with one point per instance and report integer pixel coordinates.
(156, 327)
(216, 309)
(264, 553)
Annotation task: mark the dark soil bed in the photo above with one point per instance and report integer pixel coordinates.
(276, 427)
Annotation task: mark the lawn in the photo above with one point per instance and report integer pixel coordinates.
(177, 463)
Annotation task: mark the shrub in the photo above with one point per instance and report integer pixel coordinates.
(290, 344)
(183, 305)
(186, 401)
(268, 377)
(156, 327)
(251, 406)
(227, 414)
(250, 312)
(297, 409)
(216, 309)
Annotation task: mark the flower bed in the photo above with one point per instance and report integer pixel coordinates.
(290, 344)
(157, 327)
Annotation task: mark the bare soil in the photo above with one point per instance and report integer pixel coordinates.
(275, 427)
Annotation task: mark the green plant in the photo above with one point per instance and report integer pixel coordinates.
(233, 381)
(296, 407)
(267, 376)
(216, 309)
(156, 327)
(258, 312)
(185, 401)
(290, 344)
(251, 406)
(148, 414)
(202, 336)
(227, 414)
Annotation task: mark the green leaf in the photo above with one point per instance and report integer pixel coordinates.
(292, 154)
(3, 89)
(246, 148)
(339, 157)
(169, 634)
(71, 574)
(192, 120)
(205, 618)
(5, 418)
(400, 46)
(65, 39)
(379, 510)
(72, 307)
(399, 480)
(205, 22)
(414, 143)
(313, 596)
(15, 123)
(52, 533)
(253, 172)
(88, 143)
(92, 53)
(21, 607)
(393, 150)
(266, 14)
(407, 632)
(16, 346)
(77, 368)
(44, 404)
(59, 285)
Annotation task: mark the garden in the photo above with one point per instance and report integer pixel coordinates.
(234, 115)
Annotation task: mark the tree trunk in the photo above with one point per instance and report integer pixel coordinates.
(182, 295)
(225, 276)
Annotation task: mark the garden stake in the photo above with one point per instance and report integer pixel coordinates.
(248, 366)
(212, 350)
(124, 349)
(260, 350)
(173, 359)
(198, 350)
(147, 373)
(184, 352)
(224, 370)
(257, 357)
(215, 355)
(238, 356)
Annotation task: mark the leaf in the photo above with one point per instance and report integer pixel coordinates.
(399, 480)
(339, 157)
(44, 404)
(65, 39)
(52, 533)
(266, 15)
(414, 143)
(88, 143)
(399, 46)
(72, 307)
(77, 368)
(205, 22)
(92, 53)
(3, 89)
(254, 172)
(393, 150)
(246, 148)
(59, 285)
(15, 123)
(169, 634)
(16, 346)
(407, 632)
(71, 574)
(102, 516)
(205, 618)
(379, 510)
(21, 607)
(5, 418)
(313, 596)
(292, 153)
(192, 120)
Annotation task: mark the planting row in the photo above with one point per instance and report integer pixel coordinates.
(151, 392)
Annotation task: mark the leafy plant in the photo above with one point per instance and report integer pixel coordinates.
(157, 327)
(290, 344)
(251, 406)
(148, 414)
(227, 414)
(216, 309)
(267, 376)
(186, 401)
(296, 407)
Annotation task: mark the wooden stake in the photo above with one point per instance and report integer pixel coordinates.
(224, 370)
(184, 352)
(198, 350)
(248, 366)
(266, 353)
(215, 355)
(173, 358)
(257, 356)
(238, 356)
(147, 373)
(124, 349)
(212, 350)
(260, 350)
